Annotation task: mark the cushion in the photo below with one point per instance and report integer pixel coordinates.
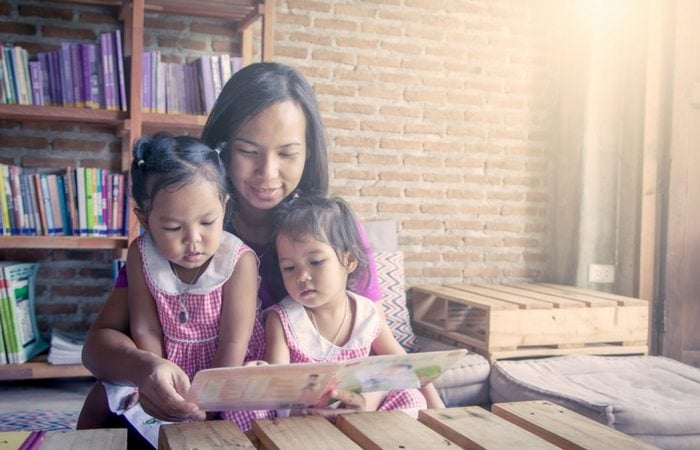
(391, 281)
(464, 384)
(653, 398)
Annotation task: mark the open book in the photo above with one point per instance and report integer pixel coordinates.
(302, 385)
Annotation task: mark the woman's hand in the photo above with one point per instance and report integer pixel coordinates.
(162, 391)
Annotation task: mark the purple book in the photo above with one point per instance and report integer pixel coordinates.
(66, 74)
(206, 82)
(76, 61)
(91, 75)
(146, 82)
(55, 78)
(37, 83)
(107, 58)
(118, 46)
(45, 78)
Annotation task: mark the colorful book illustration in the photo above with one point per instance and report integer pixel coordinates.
(303, 385)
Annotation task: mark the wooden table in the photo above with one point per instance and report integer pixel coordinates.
(521, 425)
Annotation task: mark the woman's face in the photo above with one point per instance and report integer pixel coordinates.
(268, 155)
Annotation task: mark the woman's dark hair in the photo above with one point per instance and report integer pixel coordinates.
(162, 161)
(253, 89)
(327, 219)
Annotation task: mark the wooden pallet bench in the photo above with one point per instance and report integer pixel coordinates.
(531, 319)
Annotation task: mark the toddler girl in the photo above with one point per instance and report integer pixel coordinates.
(192, 286)
(323, 320)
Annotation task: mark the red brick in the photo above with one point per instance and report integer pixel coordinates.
(82, 34)
(17, 28)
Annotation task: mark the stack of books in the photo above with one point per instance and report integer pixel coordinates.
(66, 347)
(20, 339)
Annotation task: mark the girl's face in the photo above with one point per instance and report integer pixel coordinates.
(312, 272)
(186, 222)
(268, 155)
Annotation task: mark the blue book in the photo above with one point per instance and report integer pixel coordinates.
(64, 207)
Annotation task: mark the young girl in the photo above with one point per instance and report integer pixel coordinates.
(192, 286)
(322, 320)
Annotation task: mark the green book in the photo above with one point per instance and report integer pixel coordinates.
(25, 340)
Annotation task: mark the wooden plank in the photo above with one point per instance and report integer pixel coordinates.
(620, 299)
(464, 297)
(563, 301)
(556, 302)
(477, 428)
(510, 329)
(103, 439)
(490, 291)
(211, 434)
(71, 242)
(599, 349)
(300, 433)
(565, 428)
(389, 430)
(589, 300)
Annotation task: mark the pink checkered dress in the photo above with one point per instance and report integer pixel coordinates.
(191, 345)
(307, 345)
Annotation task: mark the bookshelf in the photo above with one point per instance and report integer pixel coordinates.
(129, 126)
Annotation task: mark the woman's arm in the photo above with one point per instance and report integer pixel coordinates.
(146, 330)
(238, 309)
(111, 355)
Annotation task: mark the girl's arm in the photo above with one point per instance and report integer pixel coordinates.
(111, 355)
(143, 315)
(386, 344)
(276, 349)
(238, 309)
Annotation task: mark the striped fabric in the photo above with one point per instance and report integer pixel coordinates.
(391, 280)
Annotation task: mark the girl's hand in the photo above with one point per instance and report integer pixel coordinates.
(348, 402)
(162, 390)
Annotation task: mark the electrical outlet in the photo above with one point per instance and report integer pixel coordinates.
(601, 273)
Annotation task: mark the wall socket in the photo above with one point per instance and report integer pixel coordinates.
(601, 273)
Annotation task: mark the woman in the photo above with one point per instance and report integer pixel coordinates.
(267, 125)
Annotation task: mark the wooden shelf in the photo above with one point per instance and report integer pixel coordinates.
(61, 114)
(182, 123)
(235, 10)
(64, 242)
(40, 368)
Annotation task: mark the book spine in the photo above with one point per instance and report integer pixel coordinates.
(9, 200)
(55, 204)
(90, 201)
(108, 71)
(45, 78)
(8, 49)
(55, 80)
(4, 209)
(12, 349)
(85, 75)
(76, 64)
(207, 82)
(37, 83)
(66, 75)
(17, 199)
(81, 197)
(121, 199)
(34, 198)
(29, 224)
(46, 196)
(236, 64)
(99, 202)
(146, 82)
(36, 181)
(7, 77)
(118, 45)
(65, 219)
(69, 181)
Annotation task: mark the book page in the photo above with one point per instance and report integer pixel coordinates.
(261, 387)
(392, 372)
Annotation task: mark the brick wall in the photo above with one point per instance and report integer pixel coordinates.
(439, 114)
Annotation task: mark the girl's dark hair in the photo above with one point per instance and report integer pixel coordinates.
(162, 161)
(253, 89)
(327, 219)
